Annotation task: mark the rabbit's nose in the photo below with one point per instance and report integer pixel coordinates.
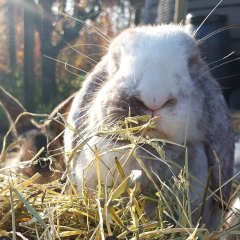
(155, 105)
(152, 103)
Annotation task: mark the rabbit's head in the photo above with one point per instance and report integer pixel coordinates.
(148, 72)
(32, 137)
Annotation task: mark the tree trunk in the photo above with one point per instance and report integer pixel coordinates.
(150, 14)
(12, 43)
(29, 83)
(45, 28)
(180, 11)
(48, 49)
(49, 86)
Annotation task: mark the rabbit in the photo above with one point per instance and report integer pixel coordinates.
(34, 136)
(156, 71)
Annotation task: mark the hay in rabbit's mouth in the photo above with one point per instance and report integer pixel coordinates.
(56, 211)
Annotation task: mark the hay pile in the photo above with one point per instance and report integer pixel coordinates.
(56, 211)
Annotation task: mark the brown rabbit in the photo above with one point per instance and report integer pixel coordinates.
(157, 71)
(34, 137)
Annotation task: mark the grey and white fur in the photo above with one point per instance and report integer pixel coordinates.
(157, 71)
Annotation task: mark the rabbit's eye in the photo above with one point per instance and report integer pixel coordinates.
(170, 103)
(137, 96)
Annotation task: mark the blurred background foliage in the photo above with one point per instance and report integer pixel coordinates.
(48, 46)
(43, 48)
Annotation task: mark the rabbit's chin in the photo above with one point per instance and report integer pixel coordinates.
(154, 133)
(158, 134)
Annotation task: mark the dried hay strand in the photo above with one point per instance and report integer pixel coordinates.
(56, 211)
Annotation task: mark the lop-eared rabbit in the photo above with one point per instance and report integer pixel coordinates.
(35, 136)
(157, 71)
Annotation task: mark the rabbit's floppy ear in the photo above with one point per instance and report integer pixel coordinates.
(92, 84)
(63, 108)
(94, 81)
(219, 134)
(14, 108)
(217, 122)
